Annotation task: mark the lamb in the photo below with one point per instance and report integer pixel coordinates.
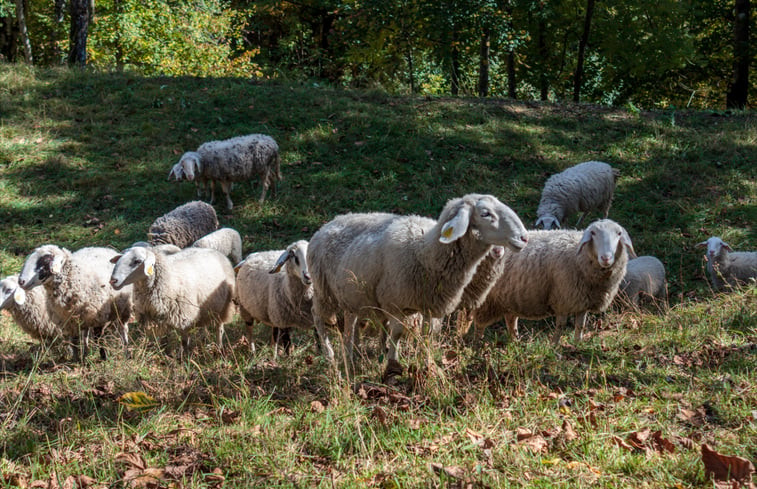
(30, 311)
(177, 172)
(184, 225)
(645, 275)
(178, 290)
(233, 160)
(582, 188)
(226, 240)
(728, 268)
(560, 273)
(278, 300)
(387, 267)
(77, 289)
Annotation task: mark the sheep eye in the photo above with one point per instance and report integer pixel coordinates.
(296, 261)
(485, 213)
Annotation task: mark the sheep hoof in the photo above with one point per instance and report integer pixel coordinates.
(393, 369)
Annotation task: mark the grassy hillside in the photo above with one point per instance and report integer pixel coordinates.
(84, 159)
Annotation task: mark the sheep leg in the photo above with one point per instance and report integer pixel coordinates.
(326, 349)
(580, 321)
(393, 366)
(226, 188)
(350, 332)
(219, 337)
(581, 219)
(560, 323)
(512, 326)
(184, 353)
(123, 331)
(212, 184)
(264, 183)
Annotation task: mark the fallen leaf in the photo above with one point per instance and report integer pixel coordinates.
(568, 432)
(451, 471)
(134, 460)
(379, 414)
(317, 407)
(724, 468)
(621, 443)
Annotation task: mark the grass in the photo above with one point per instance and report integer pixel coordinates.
(83, 161)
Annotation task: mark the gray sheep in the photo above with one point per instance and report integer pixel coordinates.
(585, 187)
(386, 267)
(728, 268)
(279, 300)
(560, 273)
(232, 160)
(178, 290)
(225, 240)
(30, 311)
(184, 225)
(78, 293)
(645, 276)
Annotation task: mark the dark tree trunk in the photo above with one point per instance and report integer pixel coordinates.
(738, 92)
(483, 64)
(80, 16)
(511, 82)
(410, 68)
(23, 31)
(8, 39)
(542, 45)
(578, 79)
(455, 54)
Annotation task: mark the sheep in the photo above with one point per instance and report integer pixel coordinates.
(178, 290)
(226, 240)
(183, 225)
(77, 289)
(582, 188)
(728, 268)
(644, 275)
(233, 160)
(560, 273)
(278, 300)
(386, 267)
(30, 311)
(177, 172)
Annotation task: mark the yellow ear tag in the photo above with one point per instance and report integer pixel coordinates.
(19, 296)
(448, 232)
(150, 270)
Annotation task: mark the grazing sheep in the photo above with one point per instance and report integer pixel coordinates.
(78, 293)
(225, 240)
(582, 188)
(30, 311)
(178, 290)
(177, 172)
(728, 268)
(386, 267)
(278, 300)
(184, 225)
(644, 275)
(560, 273)
(232, 160)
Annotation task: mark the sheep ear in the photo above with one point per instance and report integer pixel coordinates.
(727, 246)
(280, 262)
(149, 264)
(586, 238)
(701, 245)
(116, 258)
(57, 265)
(456, 227)
(19, 296)
(539, 222)
(626, 240)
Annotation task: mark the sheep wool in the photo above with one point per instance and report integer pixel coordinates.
(645, 276)
(227, 241)
(183, 225)
(30, 311)
(728, 268)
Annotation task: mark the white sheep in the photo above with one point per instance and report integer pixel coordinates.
(728, 268)
(177, 172)
(582, 188)
(184, 225)
(225, 240)
(387, 267)
(560, 273)
(645, 275)
(30, 311)
(178, 290)
(78, 293)
(278, 300)
(232, 160)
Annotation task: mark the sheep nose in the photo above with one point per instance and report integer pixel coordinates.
(307, 278)
(524, 238)
(21, 282)
(605, 260)
(113, 281)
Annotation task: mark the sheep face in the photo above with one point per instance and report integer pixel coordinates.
(11, 293)
(548, 222)
(135, 264)
(607, 239)
(177, 172)
(495, 222)
(190, 164)
(295, 258)
(716, 247)
(39, 267)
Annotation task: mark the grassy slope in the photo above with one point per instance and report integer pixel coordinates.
(83, 161)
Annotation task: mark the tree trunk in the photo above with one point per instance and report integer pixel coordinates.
(511, 82)
(578, 80)
(23, 31)
(738, 92)
(543, 54)
(410, 67)
(483, 66)
(80, 16)
(8, 39)
(455, 89)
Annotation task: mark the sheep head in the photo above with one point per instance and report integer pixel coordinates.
(9, 290)
(44, 263)
(496, 223)
(295, 256)
(607, 238)
(715, 247)
(191, 164)
(548, 222)
(135, 264)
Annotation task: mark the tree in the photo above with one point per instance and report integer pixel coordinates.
(738, 91)
(81, 13)
(582, 51)
(24, 31)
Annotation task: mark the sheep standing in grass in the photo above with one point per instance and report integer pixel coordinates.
(225, 240)
(279, 300)
(184, 225)
(178, 290)
(560, 273)
(728, 268)
(387, 267)
(233, 160)
(645, 275)
(585, 187)
(78, 293)
(30, 311)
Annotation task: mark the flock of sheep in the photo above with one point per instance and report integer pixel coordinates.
(477, 261)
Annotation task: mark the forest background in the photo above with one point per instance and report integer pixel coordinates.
(641, 53)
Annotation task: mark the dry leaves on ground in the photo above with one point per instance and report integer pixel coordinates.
(727, 471)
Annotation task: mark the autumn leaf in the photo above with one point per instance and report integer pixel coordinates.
(568, 432)
(451, 471)
(317, 407)
(134, 460)
(137, 401)
(728, 469)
